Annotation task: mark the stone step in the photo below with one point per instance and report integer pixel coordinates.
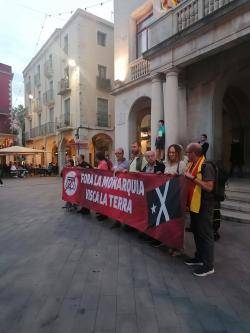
(239, 206)
(234, 216)
(238, 189)
(237, 196)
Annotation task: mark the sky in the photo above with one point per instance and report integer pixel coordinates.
(25, 25)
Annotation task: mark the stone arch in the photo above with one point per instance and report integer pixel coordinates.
(140, 109)
(231, 115)
(101, 142)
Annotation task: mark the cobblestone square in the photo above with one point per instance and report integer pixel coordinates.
(62, 272)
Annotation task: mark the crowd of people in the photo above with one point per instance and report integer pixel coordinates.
(22, 169)
(200, 177)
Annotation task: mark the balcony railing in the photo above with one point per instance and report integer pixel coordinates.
(48, 97)
(48, 69)
(181, 17)
(103, 84)
(65, 120)
(45, 129)
(37, 79)
(27, 136)
(37, 105)
(63, 87)
(103, 120)
(28, 87)
(138, 68)
(27, 114)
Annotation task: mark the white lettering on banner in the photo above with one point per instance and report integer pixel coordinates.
(120, 203)
(96, 196)
(131, 186)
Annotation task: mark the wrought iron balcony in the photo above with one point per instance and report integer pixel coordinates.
(63, 87)
(103, 120)
(37, 105)
(37, 79)
(138, 68)
(43, 130)
(103, 84)
(48, 69)
(27, 114)
(28, 87)
(48, 97)
(65, 121)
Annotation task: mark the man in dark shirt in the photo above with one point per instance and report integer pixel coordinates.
(201, 176)
(153, 166)
(204, 144)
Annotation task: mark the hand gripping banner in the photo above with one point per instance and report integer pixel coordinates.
(153, 204)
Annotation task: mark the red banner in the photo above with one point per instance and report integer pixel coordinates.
(153, 204)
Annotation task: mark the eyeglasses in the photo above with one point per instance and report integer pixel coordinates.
(118, 153)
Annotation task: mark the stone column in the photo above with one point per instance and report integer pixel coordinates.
(157, 108)
(171, 107)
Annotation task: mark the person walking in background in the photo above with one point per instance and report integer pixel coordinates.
(174, 164)
(204, 144)
(1, 174)
(160, 141)
(201, 176)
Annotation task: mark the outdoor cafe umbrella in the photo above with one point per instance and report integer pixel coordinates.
(18, 150)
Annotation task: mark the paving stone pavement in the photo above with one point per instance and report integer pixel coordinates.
(62, 272)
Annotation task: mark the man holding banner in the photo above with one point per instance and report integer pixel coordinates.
(201, 176)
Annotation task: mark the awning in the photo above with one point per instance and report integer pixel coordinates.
(18, 150)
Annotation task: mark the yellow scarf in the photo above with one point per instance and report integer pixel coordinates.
(194, 195)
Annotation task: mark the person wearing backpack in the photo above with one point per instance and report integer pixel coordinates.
(201, 178)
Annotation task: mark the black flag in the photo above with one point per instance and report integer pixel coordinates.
(164, 203)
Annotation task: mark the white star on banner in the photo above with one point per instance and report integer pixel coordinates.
(153, 208)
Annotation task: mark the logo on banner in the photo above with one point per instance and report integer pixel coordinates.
(70, 183)
(163, 203)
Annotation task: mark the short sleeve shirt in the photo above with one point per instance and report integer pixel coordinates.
(208, 174)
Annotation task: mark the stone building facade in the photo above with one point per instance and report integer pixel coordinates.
(69, 109)
(7, 138)
(188, 65)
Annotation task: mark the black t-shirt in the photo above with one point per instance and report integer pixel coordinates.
(208, 174)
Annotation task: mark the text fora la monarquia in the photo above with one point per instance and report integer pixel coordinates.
(130, 186)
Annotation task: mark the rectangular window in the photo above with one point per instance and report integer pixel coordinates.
(142, 35)
(67, 111)
(101, 38)
(50, 61)
(51, 115)
(102, 71)
(39, 120)
(102, 112)
(66, 44)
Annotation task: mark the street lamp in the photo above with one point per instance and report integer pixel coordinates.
(71, 63)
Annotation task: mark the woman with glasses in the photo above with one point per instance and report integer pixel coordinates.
(174, 164)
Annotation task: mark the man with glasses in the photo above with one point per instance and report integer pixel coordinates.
(121, 163)
(201, 178)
